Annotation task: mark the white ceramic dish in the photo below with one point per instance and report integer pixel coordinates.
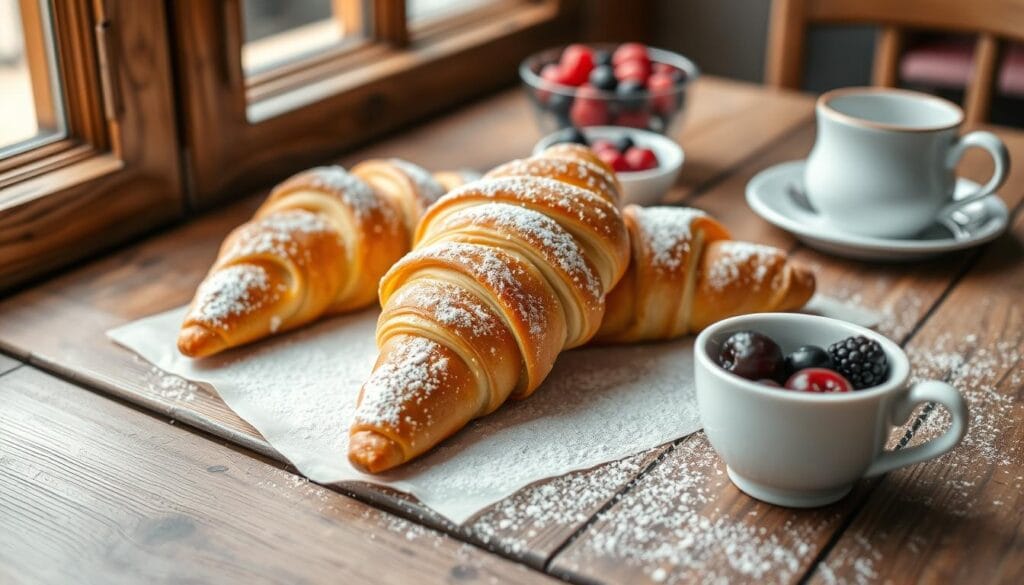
(799, 449)
(774, 195)
(640, 187)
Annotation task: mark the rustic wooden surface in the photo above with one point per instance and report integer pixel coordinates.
(163, 271)
(94, 491)
(668, 515)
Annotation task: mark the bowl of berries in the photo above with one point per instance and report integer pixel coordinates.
(800, 406)
(646, 163)
(608, 85)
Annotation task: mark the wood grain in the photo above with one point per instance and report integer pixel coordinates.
(959, 518)
(162, 272)
(94, 491)
(684, 521)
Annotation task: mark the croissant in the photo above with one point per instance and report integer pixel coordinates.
(507, 272)
(685, 274)
(317, 246)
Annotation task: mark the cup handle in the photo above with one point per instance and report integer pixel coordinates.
(996, 148)
(929, 391)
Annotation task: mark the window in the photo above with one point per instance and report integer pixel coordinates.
(289, 84)
(88, 152)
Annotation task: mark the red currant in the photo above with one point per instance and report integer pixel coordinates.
(819, 380)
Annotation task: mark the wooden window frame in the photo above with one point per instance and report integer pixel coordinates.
(307, 112)
(116, 173)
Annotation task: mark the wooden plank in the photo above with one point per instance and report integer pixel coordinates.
(92, 490)
(959, 518)
(161, 273)
(7, 364)
(684, 521)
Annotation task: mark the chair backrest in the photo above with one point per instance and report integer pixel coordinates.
(993, 21)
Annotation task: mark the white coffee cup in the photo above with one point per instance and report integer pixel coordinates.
(883, 163)
(800, 449)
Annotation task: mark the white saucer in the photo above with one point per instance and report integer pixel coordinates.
(774, 194)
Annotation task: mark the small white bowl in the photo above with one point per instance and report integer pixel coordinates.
(640, 187)
(799, 449)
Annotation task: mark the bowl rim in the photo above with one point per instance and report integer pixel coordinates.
(627, 176)
(899, 364)
(527, 74)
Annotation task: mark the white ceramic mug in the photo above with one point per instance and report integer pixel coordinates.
(883, 161)
(800, 449)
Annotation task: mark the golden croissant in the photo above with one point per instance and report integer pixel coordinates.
(686, 274)
(509, 271)
(317, 246)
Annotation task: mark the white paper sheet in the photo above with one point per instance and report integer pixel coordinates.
(299, 391)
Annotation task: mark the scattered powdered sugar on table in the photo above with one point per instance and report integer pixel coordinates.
(666, 527)
(299, 391)
(976, 372)
(559, 504)
(667, 231)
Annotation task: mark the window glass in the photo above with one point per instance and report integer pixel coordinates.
(32, 111)
(283, 31)
(420, 10)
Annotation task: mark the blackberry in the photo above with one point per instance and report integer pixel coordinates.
(860, 360)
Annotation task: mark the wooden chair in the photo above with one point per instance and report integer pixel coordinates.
(993, 21)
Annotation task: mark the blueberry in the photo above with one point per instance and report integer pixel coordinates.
(623, 143)
(602, 57)
(572, 135)
(807, 356)
(603, 78)
(632, 94)
(753, 356)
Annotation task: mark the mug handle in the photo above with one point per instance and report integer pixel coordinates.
(995, 147)
(900, 410)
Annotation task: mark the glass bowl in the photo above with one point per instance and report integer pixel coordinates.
(553, 103)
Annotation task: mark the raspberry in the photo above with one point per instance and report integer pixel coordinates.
(630, 52)
(576, 63)
(589, 109)
(861, 360)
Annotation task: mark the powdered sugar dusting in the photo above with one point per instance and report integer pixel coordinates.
(230, 291)
(559, 504)
(413, 371)
(729, 267)
(354, 193)
(427, 186)
(277, 234)
(452, 306)
(543, 233)
(495, 270)
(668, 530)
(667, 231)
(568, 199)
(299, 391)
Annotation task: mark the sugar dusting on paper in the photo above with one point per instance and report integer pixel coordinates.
(598, 405)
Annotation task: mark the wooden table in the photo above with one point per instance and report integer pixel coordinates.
(111, 471)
